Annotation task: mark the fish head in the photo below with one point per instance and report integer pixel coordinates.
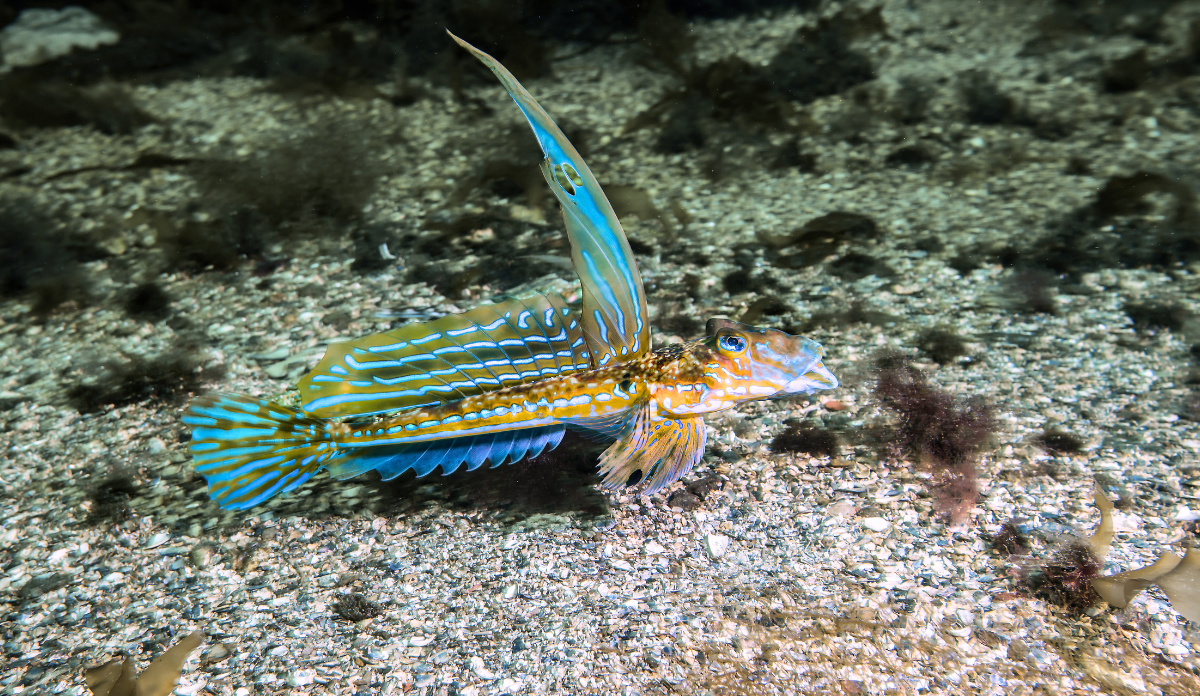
(749, 362)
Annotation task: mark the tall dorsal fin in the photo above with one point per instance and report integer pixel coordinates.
(614, 315)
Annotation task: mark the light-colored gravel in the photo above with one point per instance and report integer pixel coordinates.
(795, 574)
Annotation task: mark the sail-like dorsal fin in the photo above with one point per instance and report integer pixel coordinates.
(523, 339)
(614, 314)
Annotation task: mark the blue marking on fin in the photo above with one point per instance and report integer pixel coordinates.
(450, 453)
(479, 351)
(250, 449)
(481, 448)
(520, 445)
(384, 349)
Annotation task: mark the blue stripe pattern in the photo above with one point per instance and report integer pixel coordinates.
(520, 340)
(422, 458)
(612, 286)
(249, 449)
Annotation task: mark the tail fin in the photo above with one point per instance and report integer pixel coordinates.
(250, 449)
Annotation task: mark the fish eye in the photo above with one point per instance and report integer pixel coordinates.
(629, 386)
(731, 343)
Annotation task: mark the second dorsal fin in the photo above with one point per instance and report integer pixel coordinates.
(522, 339)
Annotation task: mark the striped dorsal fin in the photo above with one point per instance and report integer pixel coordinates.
(522, 339)
(615, 312)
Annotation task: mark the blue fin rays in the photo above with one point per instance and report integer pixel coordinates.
(423, 457)
(249, 449)
(614, 303)
(520, 340)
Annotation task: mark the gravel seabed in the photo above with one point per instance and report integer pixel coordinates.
(794, 574)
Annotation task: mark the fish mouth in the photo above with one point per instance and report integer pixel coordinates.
(817, 377)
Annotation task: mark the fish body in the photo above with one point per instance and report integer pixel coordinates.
(504, 381)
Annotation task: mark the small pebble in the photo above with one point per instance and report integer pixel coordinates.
(476, 664)
(302, 677)
(684, 500)
(875, 524)
(378, 654)
(716, 545)
(158, 540)
(842, 508)
(218, 652)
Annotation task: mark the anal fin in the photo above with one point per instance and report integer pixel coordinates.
(423, 458)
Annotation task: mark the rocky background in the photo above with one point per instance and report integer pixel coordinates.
(986, 212)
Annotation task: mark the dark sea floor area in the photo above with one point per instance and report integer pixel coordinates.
(1003, 192)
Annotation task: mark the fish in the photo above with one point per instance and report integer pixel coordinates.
(504, 382)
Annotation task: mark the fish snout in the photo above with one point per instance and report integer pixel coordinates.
(793, 364)
(812, 376)
(817, 377)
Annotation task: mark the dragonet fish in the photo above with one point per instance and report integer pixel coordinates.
(504, 381)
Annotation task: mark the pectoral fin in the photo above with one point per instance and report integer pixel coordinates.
(658, 450)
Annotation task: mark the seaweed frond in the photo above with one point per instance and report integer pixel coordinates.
(937, 429)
